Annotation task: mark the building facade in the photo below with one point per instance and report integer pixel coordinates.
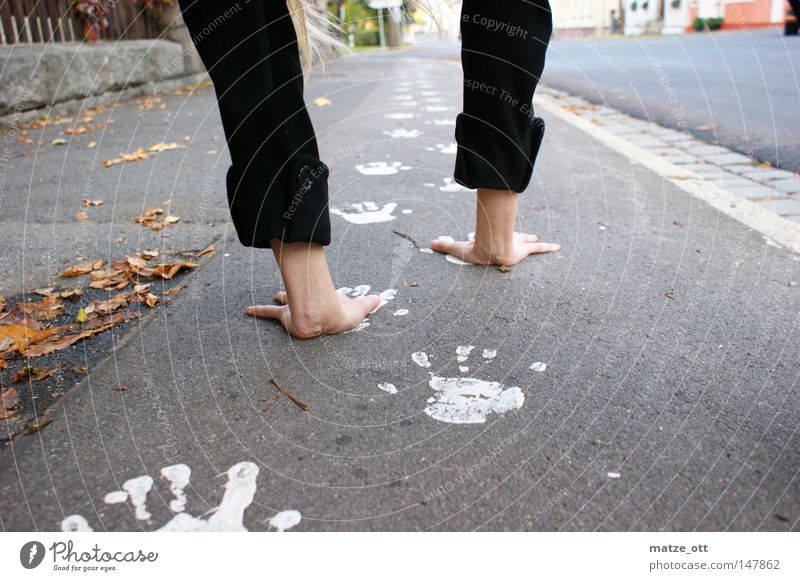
(677, 16)
(583, 17)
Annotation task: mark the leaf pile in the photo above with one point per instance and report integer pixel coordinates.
(123, 272)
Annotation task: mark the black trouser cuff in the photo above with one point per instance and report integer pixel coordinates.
(261, 211)
(489, 158)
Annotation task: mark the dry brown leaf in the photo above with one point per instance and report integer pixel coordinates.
(23, 336)
(81, 217)
(159, 147)
(71, 294)
(81, 269)
(175, 290)
(47, 308)
(80, 130)
(9, 399)
(34, 373)
(45, 292)
(86, 203)
(150, 218)
(137, 155)
(3, 364)
(79, 369)
(2, 303)
(115, 302)
(41, 421)
(151, 300)
(57, 343)
(210, 249)
(168, 270)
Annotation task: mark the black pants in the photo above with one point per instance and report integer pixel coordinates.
(277, 185)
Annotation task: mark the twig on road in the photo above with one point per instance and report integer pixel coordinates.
(407, 237)
(293, 399)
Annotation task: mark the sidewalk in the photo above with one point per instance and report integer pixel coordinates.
(645, 376)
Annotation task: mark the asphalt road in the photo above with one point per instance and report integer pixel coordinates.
(740, 89)
(669, 331)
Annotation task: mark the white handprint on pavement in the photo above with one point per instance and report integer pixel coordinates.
(239, 492)
(366, 213)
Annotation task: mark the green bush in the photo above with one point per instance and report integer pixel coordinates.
(367, 37)
(701, 24)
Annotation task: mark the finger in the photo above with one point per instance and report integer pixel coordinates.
(282, 298)
(268, 312)
(457, 249)
(542, 248)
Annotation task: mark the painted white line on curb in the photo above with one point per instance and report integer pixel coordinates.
(780, 230)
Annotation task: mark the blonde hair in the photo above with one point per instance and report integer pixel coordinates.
(318, 36)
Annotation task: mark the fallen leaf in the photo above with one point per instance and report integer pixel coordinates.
(137, 155)
(58, 141)
(123, 388)
(321, 101)
(81, 315)
(504, 269)
(87, 203)
(81, 269)
(80, 130)
(116, 302)
(3, 364)
(71, 294)
(210, 249)
(175, 290)
(9, 399)
(151, 219)
(91, 145)
(81, 217)
(47, 308)
(34, 373)
(45, 292)
(168, 270)
(59, 342)
(40, 422)
(79, 369)
(151, 300)
(159, 147)
(23, 336)
(110, 278)
(2, 303)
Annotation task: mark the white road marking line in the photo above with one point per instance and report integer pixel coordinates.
(779, 229)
